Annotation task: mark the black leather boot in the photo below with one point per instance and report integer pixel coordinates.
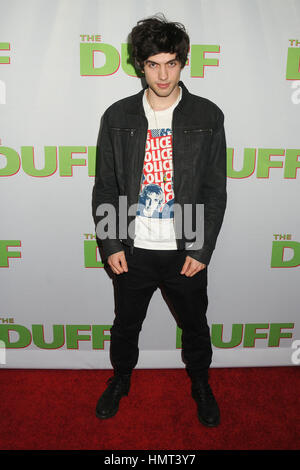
(208, 409)
(108, 403)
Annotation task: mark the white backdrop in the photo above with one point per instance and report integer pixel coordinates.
(56, 299)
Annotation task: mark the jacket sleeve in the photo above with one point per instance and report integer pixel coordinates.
(215, 195)
(105, 191)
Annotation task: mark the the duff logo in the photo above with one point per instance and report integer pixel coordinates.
(100, 59)
(285, 252)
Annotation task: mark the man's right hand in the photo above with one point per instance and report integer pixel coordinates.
(117, 262)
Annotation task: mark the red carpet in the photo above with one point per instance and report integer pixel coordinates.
(55, 410)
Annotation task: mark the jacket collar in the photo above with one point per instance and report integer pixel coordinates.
(136, 106)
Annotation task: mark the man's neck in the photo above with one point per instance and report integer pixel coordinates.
(159, 103)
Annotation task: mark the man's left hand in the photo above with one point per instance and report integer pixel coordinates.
(191, 266)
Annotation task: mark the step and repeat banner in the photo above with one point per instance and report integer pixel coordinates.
(62, 63)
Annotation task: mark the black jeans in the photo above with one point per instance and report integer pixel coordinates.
(187, 296)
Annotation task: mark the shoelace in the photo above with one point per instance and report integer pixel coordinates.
(119, 382)
(204, 391)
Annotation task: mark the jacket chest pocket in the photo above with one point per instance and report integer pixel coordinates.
(123, 145)
(122, 137)
(197, 145)
(196, 139)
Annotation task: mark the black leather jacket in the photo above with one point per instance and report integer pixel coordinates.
(199, 165)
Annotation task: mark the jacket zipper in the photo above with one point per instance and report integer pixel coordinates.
(132, 131)
(188, 131)
(141, 178)
(125, 129)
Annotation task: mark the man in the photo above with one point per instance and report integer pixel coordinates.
(163, 136)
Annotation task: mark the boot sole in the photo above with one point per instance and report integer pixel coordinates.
(113, 413)
(208, 425)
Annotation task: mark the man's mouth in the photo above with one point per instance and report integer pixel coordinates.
(163, 85)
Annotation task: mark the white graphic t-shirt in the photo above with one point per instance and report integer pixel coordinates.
(154, 223)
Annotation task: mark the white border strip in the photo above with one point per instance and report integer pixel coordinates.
(18, 359)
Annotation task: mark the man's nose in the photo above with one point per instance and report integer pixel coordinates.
(163, 72)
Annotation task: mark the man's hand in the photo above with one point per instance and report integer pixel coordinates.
(191, 266)
(117, 262)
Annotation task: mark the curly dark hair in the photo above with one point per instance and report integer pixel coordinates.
(154, 35)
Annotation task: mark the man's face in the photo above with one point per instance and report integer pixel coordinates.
(162, 73)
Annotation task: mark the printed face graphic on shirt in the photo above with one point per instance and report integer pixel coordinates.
(156, 195)
(153, 200)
